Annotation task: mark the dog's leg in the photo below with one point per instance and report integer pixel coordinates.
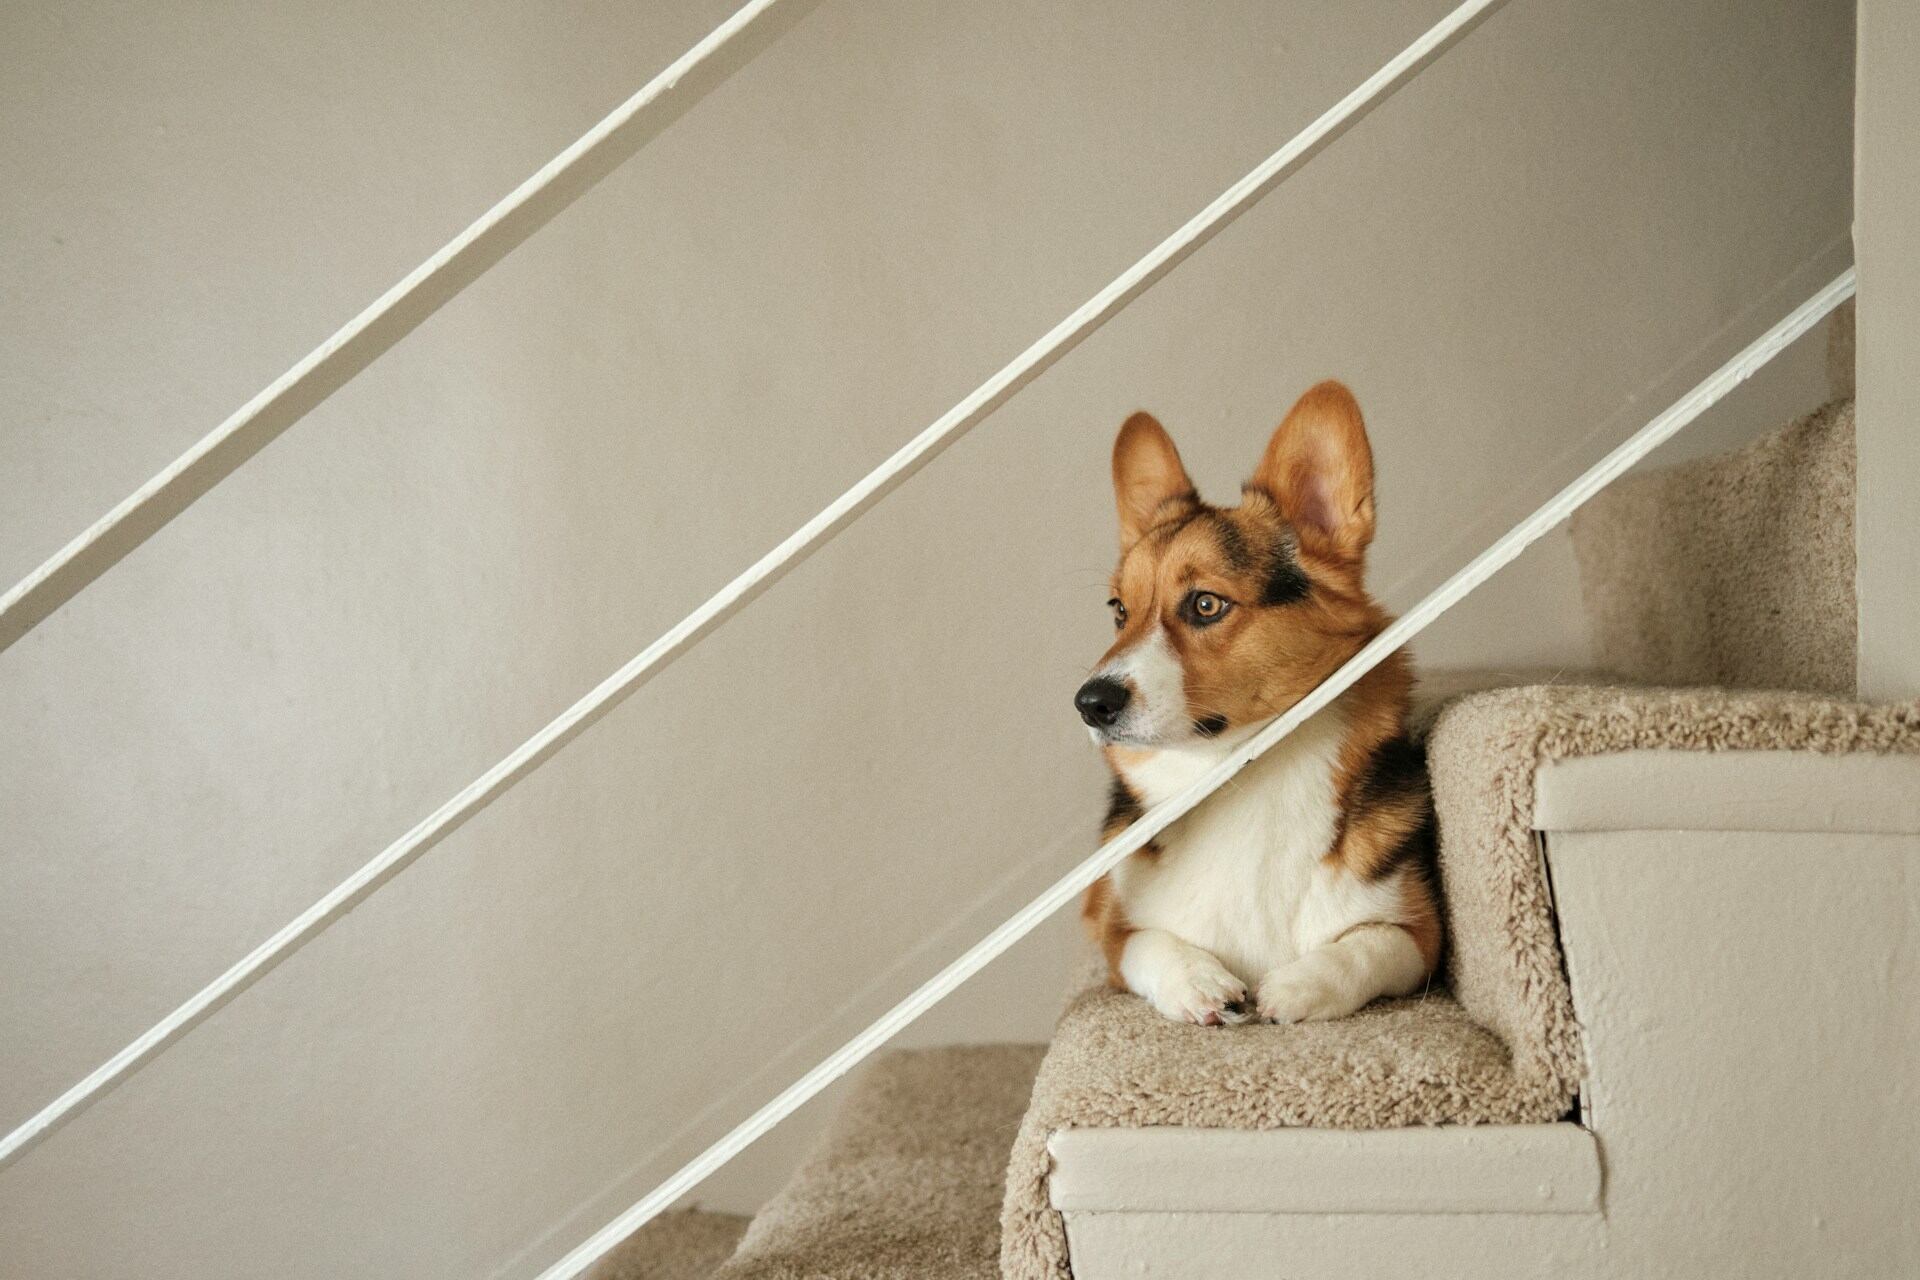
(1182, 981)
(1334, 980)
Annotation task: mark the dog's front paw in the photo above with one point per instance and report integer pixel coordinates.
(1197, 988)
(1303, 992)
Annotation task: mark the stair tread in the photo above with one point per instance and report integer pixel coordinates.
(908, 1181)
(1421, 1060)
(686, 1244)
(1115, 1063)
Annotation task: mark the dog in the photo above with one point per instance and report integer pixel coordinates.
(1304, 888)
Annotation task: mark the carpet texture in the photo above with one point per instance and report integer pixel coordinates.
(1504, 1047)
(907, 1183)
(683, 1245)
(1735, 570)
(1115, 1063)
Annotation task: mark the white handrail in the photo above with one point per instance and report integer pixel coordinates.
(397, 312)
(769, 569)
(1162, 815)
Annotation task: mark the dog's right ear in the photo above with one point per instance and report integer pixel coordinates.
(1319, 468)
(1147, 475)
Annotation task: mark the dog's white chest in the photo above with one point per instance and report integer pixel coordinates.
(1243, 875)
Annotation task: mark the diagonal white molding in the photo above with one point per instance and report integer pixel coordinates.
(766, 571)
(1157, 819)
(397, 312)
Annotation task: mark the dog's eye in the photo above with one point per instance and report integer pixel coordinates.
(1202, 608)
(1119, 613)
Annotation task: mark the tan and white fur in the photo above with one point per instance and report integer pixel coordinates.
(1302, 889)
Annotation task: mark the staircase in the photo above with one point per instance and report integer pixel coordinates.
(1600, 1090)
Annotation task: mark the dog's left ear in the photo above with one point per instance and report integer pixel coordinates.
(1319, 468)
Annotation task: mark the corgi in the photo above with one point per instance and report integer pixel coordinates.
(1304, 888)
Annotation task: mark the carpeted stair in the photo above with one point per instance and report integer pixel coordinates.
(907, 1183)
(1732, 571)
(686, 1244)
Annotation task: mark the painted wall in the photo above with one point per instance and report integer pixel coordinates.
(1887, 238)
(1516, 262)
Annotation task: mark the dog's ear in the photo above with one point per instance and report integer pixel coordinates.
(1147, 475)
(1319, 468)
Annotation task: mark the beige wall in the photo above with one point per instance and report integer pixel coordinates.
(1887, 239)
(1518, 260)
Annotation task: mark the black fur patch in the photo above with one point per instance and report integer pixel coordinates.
(1233, 544)
(1398, 767)
(1286, 582)
(1420, 848)
(1210, 726)
(1396, 776)
(1122, 805)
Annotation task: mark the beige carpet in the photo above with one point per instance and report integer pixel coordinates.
(684, 1245)
(1115, 1063)
(1734, 570)
(1507, 1051)
(907, 1183)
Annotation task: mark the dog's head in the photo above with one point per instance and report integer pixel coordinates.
(1228, 616)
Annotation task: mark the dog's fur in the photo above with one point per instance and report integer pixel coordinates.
(1303, 889)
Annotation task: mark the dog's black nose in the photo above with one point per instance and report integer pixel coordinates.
(1101, 701)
